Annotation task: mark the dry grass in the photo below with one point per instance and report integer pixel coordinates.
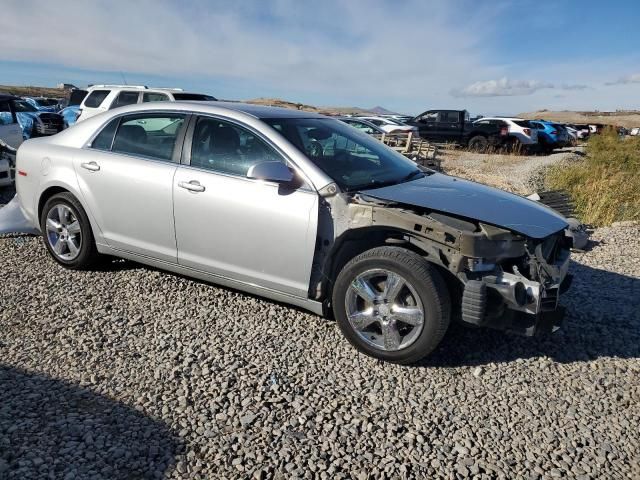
(604, 184)
(33, 91)
(627, 119)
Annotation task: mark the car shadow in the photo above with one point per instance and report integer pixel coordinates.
(603, 320)
(54, 429)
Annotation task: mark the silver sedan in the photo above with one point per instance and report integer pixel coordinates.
(296, 207)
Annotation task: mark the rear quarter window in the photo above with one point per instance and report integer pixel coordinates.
(95, 98)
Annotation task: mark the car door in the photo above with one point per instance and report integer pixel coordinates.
(255, 232)
(449, 125)
(427, 124)
(126, 177)
(10, 129)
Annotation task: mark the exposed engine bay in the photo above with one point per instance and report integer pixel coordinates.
(497, 277)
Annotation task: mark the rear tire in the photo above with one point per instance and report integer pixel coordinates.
(67, 233)
(391, 304)
(478, 144)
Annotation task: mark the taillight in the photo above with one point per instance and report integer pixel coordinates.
(504, 131)
(527, 131)
(554, 132)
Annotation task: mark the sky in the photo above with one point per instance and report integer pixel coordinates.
(488, 56)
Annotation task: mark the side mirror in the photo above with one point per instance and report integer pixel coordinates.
(271, 171)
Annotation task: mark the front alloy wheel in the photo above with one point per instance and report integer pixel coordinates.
(391, 304)
(384, 309)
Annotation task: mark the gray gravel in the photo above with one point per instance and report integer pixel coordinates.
(134, 373)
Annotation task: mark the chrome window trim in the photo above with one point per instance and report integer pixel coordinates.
(177, 148)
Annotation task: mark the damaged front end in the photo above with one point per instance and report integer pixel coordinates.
(497, 277)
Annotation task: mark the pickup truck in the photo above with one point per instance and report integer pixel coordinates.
(455, 126)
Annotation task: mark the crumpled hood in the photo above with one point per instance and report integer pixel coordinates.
(475, 201)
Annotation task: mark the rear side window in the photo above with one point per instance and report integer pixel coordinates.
(523, 123)
(451, 117)
(193, 96)
(104, 140)
(154, 97)
(125, 98)
(95, 98)
(152, 136)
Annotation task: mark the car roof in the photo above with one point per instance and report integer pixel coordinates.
(5, 96)
(256, 111)
(502, 118)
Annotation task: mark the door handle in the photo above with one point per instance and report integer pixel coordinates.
(93, 166)
(192, 186)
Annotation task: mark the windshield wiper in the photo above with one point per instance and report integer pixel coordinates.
(411, 175)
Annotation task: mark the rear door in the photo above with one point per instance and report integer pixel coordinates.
(248, 230)
(449, 125)
(10, 129)
(126, 177)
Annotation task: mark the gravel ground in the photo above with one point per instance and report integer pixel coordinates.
(523, 174)
(129, 372)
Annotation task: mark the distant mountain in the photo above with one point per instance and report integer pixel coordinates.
(382, 111)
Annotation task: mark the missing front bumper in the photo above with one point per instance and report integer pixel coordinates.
(514, 306)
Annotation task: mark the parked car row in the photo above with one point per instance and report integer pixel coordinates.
(481, 133)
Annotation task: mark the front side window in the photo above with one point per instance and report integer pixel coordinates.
(152, 136)
(428, 117)
(95, 98)
(125, 98)
(154, 97)
(362, 126)
(21, 106)
(227, 148)
(6, 117)
(355, 161)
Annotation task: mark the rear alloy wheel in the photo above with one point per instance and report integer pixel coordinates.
(478, 144)
(391, 304)
(67, 232)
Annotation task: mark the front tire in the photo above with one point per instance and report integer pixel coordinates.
(391, 304)
(479, 144)
(67, 233)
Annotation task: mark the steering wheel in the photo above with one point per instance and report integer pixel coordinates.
(315, 149)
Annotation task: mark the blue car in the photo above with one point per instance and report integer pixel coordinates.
(34, 122)
(42, 104)
(550, 135)
(70, 115)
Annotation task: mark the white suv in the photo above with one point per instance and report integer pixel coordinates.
(101, 98)
(520, 130)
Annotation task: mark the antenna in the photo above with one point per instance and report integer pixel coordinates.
(124, 79)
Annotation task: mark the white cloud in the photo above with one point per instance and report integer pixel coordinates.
(501, 88)
(576, 86)
(340, 48)
(633, 78)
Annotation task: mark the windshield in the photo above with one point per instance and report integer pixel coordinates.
(354, 160)
(24, 106)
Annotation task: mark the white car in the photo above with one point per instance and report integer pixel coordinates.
(519, 129)
(101, 98)
(390, 125)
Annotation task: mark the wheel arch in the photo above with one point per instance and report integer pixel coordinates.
(54, 188)
(356, 241)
